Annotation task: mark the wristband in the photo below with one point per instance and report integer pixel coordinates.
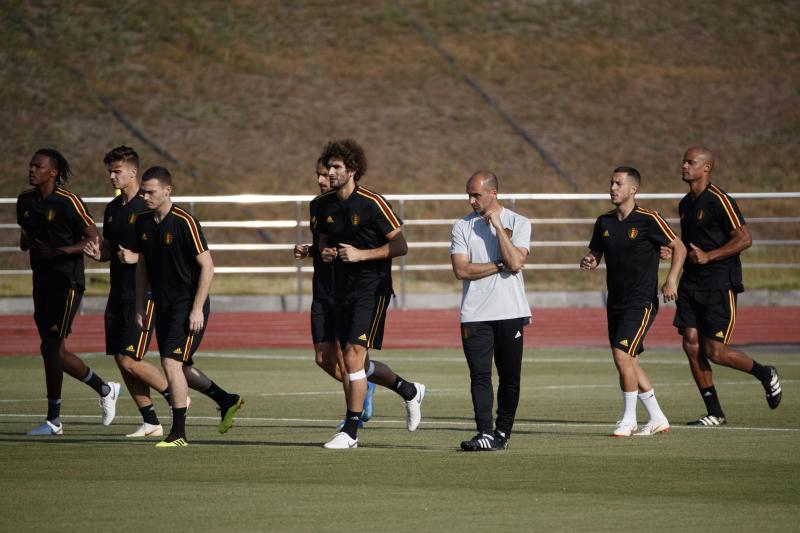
(500, 266)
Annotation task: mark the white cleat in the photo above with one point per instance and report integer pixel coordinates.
(624, 429)
(47, 428)
(147, 430)
(109, 402)
(652, 428)
(413, 410)
(341, 441)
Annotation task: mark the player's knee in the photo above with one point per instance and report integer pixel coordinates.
(717, 353)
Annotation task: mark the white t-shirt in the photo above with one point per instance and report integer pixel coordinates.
(500, 296)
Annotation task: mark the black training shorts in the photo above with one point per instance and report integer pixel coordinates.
(712, 312)
(55, 303)
(627, 327)
(360, 319)
(123, 335)
(323, 320)
(173, 336)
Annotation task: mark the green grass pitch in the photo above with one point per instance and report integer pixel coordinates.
(561, 472)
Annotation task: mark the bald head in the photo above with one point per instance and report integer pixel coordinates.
(482, 192)
(700, 153)
(485, 179)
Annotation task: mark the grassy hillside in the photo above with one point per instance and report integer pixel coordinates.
(244, 94)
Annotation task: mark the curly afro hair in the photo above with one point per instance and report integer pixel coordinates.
(350, 153)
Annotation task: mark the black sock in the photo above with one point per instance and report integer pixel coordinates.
(222, 398)
(404, 388)
(351, 421)
(149, 415)
(178, 430)
(761, 372)
(54, 410)
(97, 383)
(711, 400)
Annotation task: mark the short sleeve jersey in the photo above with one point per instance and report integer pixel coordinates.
(58, 220)
(322, 282)
(170, 249)
(631, 250)
(362, 220)
(706, 222)
(500, 296)
(119, 229)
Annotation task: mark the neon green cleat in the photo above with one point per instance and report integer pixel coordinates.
(173, 444)
(227, 415)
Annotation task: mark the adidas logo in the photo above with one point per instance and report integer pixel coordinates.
(624, 342)
(110, 218)
(130, 348)
(706, 395)
(362, 337)
(518, 335)
(54, 327)
(719, 334)
(329, 219)
(177, 350)
(605, 233)
(144, 236)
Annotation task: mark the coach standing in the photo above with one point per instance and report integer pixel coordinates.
(488, 249)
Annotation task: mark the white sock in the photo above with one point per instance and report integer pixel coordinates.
(629, 403)
(650, 403)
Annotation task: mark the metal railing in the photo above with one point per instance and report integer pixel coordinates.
(400, 200)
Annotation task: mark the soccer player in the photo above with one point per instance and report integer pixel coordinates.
(55, 226)
(328, 354)
(359, 235)
(630, 238)
(488, 249)
(714, 232)
(175, 263)
(124, 340)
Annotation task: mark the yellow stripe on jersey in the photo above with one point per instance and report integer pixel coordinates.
(726, 205)
(382, 205)
(76, 202)
(198, 244)
(660, 221)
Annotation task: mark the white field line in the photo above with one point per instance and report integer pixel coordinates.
(463, 390)
(399, 422)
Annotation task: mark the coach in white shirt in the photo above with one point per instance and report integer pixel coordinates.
(488, 249)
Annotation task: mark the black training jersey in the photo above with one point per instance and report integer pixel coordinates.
(322, 282)
(363, 220)
(58, 220)
(119, 229)
(170, 249)
(631, 249)
(706, 222)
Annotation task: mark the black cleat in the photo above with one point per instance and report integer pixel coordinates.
(708, 420)
(773, 388)
(482, 442)
(501, 439)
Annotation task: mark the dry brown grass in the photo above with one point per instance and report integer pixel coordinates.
(246, 92)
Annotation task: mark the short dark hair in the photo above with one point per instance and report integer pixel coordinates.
(60, 162)
(630, 171)
(157, 173)
(322, 162)
(350, 153)
(126, 154)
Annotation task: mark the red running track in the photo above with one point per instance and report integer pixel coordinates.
(551, 328)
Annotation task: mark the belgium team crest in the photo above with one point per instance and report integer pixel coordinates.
(132, 218)
(701, 215)
(632, 233)
(356, 220)
(50, 215)
(168, 238)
